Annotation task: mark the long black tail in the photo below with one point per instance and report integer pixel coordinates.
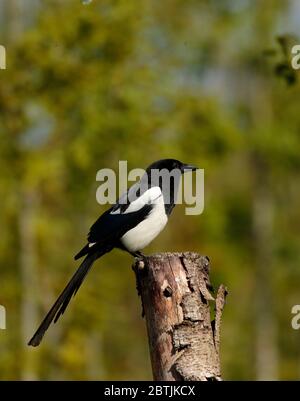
(63, 300)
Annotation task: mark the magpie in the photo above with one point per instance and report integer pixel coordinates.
(130, 224)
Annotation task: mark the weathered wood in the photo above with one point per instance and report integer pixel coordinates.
(175, 292)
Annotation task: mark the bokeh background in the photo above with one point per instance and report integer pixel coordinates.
(207, 82)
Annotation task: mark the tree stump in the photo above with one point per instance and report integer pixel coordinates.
(175, 291)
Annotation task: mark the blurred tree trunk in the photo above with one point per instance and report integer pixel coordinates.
(17, 15)
(29, 285)
(266, 352)
(13, 21)
(266, 332)
(184, 342)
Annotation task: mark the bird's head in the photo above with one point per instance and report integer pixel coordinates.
(170, 165)
(166, 174)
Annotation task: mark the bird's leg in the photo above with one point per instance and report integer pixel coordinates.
(138, 254)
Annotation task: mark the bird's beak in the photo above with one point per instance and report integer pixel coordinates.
(188, 167)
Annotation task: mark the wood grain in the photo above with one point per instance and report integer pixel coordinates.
(176, 299)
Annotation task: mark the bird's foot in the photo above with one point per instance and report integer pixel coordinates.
(140, 259)
(138, 255)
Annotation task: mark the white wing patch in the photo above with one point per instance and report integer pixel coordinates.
(148, 197)
(117, 211)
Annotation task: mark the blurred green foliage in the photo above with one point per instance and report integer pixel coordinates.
(89, 85)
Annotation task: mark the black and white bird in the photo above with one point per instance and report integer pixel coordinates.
(131, 224)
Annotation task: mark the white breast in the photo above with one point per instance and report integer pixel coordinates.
(140, 236)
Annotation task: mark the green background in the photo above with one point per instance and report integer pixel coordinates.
(207, 82)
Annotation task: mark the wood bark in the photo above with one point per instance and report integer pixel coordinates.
(176, 299)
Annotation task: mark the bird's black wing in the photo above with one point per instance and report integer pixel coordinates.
(132, 208)
(111, 226)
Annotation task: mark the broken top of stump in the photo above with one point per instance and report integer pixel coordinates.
(176, 291)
